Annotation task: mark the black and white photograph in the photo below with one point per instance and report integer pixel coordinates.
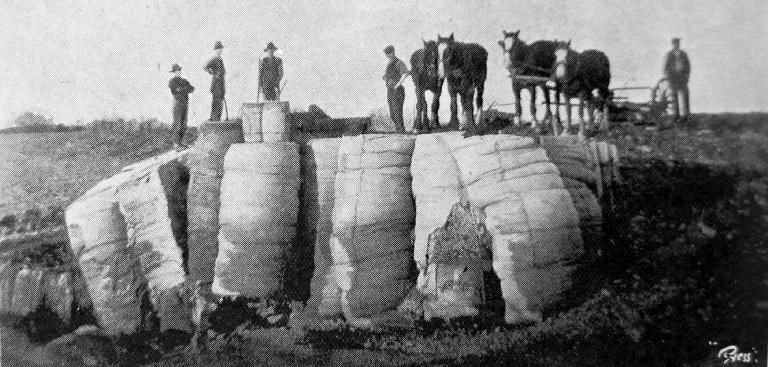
(383, 183)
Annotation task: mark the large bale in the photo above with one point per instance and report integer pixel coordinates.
(319, 162)
(522, 202)
(98, 237)
(151, 238)
(582, 178)
(121, 235)
(259, 206)
(59, 293)
(28, 291)
(206, 166)
(8, 271)
(373, 218)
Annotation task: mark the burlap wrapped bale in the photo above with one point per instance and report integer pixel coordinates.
(206, 166)
(27, 291)
(581, 177)
(259, 206)
(59, 295)
(319, 167)
(525, 208)
(373, 218)
(151, 237)
(8, 271)
(98, 238)
(121, 235)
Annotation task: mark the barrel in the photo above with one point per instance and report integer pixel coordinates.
(258, 214)
(206, 167)
(266, 122)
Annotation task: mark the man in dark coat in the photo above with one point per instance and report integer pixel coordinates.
(215, 67)
(394, 76)
(270, 73)
(180, 89)
(677, 69)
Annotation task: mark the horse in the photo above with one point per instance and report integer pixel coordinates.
(535, 59)
(585, 75)
(465, 66)
(424, 74)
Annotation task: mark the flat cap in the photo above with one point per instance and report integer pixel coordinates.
(389, 49)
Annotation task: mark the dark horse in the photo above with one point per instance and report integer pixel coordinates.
(585, 75)
(522, 59)
(465, 65)
(424, 74)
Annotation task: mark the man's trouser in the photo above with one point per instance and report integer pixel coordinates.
(395, 98)
(179, 121)
(270, 92)
(216, 106)
(681, 101)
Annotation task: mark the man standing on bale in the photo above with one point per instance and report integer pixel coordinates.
(215, 67)
(394, 76)
(180, 89)
(677, 69)
(270, 73)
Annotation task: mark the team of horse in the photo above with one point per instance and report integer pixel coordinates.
(550, 65)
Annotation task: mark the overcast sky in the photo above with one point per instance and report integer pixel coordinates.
(80, 60)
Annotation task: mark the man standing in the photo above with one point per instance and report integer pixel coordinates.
(394, 76)
(677, 69)
(215, 67)
(180, 89)
(270, 73)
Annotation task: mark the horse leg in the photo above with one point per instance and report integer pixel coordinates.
(468, 110)
(591, 117)
(480, 91)
(568, 114)
(582, 100)
(454, 122)
(547, 103)
(556, 121)
(518, 106)
(435, 108)
(420, 107)
(532, 105)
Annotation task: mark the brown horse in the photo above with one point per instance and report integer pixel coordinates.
(465, 66)
(522, 59)
(585, 75)
(424, 65)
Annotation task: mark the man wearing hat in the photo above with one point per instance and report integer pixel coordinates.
(270, 73)
(215, 67)
(180, 89)
(394, 76)
(677, 69)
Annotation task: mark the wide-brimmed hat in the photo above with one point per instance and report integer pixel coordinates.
(175, 67)
(218, 45)
(389, 49)
(270, 46)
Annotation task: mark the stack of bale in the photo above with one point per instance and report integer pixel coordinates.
(121, 235)
(206, 166)
(259, 209)
(369, 271)
(515, 193)
(36, 269)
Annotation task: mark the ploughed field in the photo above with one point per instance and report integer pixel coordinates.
(683, 261)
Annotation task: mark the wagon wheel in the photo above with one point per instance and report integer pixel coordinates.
(660, 105)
